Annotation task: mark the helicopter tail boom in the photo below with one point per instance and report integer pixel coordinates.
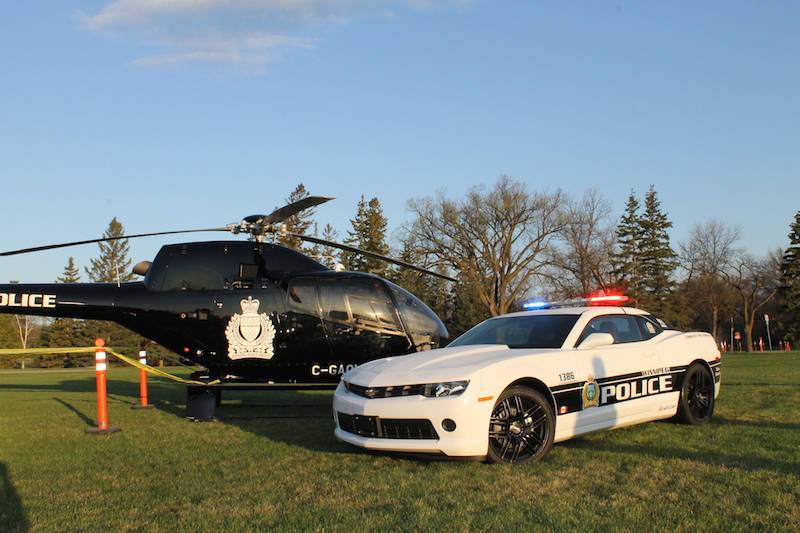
(61, 300)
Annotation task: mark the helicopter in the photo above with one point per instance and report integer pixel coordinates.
(251, 310)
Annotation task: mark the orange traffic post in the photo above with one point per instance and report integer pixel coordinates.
(143, 404)
(102, 404)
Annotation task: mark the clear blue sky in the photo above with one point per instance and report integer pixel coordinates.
(172, 114)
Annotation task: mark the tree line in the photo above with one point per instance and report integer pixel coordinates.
(506, 245)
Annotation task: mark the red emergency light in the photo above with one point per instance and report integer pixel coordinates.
(607, 299)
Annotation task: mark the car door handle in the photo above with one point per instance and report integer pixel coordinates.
(649, 354)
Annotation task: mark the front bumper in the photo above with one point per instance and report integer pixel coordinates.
(453, 426)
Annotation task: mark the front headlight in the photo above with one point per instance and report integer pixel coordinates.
(447, 388)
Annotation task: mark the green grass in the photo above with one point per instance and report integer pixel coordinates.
(165, 473)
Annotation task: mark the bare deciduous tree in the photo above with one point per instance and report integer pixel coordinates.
(704, 257)
(582, 265)
(495, 240)
(755, 282)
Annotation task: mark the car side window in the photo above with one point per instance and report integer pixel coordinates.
(650, 328)
(623, 328)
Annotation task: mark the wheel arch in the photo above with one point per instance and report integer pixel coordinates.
(715, 375)
(703, 362)
(537, 385)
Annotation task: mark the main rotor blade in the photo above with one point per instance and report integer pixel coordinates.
(353, 249)
(295, 207)
(106, 239)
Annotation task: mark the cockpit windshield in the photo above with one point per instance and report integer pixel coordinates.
(424, 327)
(522, 331)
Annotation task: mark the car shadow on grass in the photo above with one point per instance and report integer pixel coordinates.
(299, 418)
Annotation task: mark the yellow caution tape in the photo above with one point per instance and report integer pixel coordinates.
(47, 350)
(124, 359)
(153, 370)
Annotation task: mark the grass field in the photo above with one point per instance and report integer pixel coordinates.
(165, 473)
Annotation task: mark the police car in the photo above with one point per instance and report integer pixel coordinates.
(509, 388)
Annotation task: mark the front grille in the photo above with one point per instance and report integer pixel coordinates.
(408, 429)
(387, 428)
(384, 392)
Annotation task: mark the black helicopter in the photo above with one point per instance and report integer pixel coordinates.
(251, 310)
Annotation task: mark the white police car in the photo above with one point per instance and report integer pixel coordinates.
(509, 388)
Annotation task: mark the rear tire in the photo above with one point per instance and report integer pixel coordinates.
(696, 403)
(521, 427)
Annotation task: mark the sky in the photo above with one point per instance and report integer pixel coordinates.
(184, 114)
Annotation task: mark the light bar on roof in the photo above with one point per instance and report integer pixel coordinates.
(605, 299)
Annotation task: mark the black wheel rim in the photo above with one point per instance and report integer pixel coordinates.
(699, 395)
(518, 429)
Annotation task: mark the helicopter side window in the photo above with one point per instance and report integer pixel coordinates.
(187, 272)
(333, 304)
(247, 272)
(372, 311)
(364, 303)
(302, 295)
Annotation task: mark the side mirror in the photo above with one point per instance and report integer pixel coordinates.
(596, 339)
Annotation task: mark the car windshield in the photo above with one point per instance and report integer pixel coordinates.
(526, 331)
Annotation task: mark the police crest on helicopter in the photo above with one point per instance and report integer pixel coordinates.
(250, 334)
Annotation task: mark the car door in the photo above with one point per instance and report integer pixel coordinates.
(622, 378)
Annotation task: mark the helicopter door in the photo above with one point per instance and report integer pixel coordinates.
(360, 319)
(304, 337)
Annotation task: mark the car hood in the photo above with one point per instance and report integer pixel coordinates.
(443, 364)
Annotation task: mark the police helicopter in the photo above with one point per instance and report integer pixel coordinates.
(249, 310)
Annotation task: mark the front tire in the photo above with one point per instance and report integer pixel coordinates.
(696, 403)
(521, 427)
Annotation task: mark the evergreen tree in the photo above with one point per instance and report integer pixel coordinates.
(645, 262)
(369, 233)
(658, 260)
(71, 273)
(9, 337)
(113, 264)
(789, 288)
(467, 310)
(626, 259)
(299, 223)
(413, 281)
(9, 340)
(329, 255)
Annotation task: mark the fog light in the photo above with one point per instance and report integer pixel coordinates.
(448, 425)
